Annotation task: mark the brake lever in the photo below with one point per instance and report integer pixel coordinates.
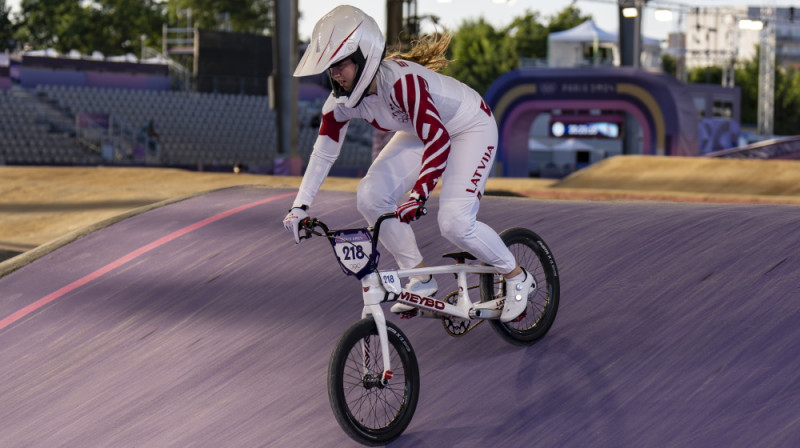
(309, 225)
(306, 236)
(306, 225)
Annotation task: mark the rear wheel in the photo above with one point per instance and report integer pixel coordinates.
(370, 412)
(531, 253)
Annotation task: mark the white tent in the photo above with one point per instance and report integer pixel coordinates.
(569, 48)
(158, 59)
(585, 32)
(50, 53)
(130, 57)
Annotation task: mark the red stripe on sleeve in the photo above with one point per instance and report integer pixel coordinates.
(331, 127)
(414, 97)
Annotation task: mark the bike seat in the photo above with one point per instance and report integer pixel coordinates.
(460, 257)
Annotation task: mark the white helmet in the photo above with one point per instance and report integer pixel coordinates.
(345, 32)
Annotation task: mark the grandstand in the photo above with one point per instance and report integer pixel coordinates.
(83, 125)
(30, 135)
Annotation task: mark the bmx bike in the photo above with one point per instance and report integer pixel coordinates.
(373, 375)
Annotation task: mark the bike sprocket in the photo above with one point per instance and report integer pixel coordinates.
(455, 326)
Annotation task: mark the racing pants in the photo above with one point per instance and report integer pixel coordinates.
(394, 172)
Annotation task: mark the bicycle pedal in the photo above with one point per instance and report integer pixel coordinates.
(487, 310)
(409, 314)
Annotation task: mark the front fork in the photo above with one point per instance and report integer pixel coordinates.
(373, 296)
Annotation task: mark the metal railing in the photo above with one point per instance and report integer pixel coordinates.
(178, 73)
(776, 148)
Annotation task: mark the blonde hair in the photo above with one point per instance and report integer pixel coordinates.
(428, 52)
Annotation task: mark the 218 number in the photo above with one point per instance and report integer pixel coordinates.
(353, 252)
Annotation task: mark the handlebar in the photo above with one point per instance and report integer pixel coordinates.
(309, 225)
(356, 249)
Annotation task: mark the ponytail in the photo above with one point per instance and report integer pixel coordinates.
(428, 52)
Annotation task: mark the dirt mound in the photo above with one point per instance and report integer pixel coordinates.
(39, 204)
(690, 175)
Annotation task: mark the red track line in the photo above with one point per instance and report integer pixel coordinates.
(127, 258)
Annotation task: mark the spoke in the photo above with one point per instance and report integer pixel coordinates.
(376, 407)
(537, 304)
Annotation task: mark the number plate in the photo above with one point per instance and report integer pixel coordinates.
(354, 250)
(391, 281)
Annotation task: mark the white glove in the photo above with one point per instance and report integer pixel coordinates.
(292, 222)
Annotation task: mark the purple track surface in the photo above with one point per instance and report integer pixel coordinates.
(678, 326)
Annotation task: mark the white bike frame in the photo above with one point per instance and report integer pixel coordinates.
(356, 251)
(385, 286)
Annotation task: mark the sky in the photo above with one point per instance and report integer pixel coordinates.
(452, 14)
(499, 13)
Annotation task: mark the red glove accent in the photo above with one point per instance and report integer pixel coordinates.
(410, 210)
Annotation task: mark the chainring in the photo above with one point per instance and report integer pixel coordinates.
(455, 326)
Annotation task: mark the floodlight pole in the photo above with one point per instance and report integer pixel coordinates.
(630, 32)
(766, 72)
(394, 23)
(284, 90)
(630, 48)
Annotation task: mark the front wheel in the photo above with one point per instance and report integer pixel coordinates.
(531, 253)
(370, 412)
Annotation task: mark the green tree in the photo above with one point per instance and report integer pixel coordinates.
(480, 54)
(528, 35)
(669, 65)
(787, 101)
(120, 26)
(567, 18)
(51, 23)
(110, 26)
(746, 77)
(6, 28)
(705, 75)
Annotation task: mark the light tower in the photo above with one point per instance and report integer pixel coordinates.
(630, 46)
(766, 71)
(402, 23)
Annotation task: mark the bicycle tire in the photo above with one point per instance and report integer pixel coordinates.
(368, 412)
(533, 254)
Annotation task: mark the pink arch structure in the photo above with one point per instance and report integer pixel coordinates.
(660, 105)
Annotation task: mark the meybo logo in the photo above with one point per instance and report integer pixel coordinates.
(426, 302)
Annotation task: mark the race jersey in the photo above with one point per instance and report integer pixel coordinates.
(410, 98)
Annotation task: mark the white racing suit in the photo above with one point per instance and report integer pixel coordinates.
(444, 131)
